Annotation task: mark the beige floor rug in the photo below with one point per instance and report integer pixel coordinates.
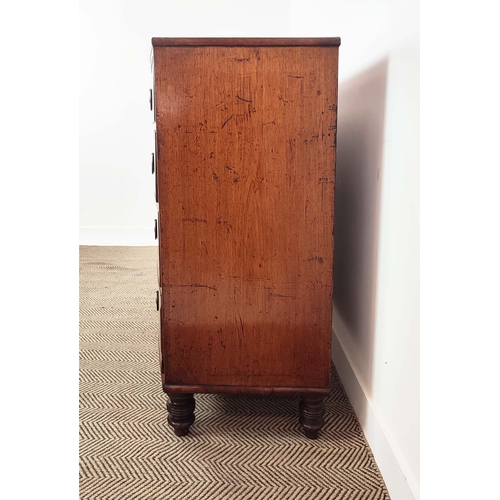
(240, 447)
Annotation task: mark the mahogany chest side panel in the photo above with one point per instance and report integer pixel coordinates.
(246, 140)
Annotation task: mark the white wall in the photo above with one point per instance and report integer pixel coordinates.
(376, 284)
(376, 290)
(396, 367)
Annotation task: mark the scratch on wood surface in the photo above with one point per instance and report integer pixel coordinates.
(316, 258)
(284, 296)
(193, 219)
(242, 99)
(225, 123)
(231, 169)
(194, 285)
(310, 287)
(280, 98)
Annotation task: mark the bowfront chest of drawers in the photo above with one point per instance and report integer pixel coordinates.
(245, 172)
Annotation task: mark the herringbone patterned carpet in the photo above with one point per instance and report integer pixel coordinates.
(240, 447)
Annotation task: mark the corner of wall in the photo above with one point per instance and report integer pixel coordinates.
(393, 468)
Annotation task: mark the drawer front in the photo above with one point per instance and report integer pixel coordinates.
(157, 232)
(154, 167)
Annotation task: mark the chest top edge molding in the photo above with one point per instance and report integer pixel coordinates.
(246, 42)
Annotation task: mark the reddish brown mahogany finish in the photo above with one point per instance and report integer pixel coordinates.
(246, 138)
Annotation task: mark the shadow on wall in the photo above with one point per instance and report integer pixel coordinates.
(359, 171)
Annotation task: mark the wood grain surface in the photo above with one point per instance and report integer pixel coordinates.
(245, 168)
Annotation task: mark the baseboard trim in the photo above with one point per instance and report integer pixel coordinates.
(393, 467)
(117, 236)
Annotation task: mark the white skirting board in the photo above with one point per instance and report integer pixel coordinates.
(118, 236)
(390, 462)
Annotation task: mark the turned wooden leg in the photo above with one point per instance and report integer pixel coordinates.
(180, 408)
(311, 414)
